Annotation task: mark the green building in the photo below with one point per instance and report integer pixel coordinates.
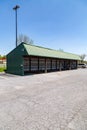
(26, 58)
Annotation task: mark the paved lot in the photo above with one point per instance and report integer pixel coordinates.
(52, 101)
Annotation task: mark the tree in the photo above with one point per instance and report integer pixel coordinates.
(61, 50)
(82, 57)
(23, 38)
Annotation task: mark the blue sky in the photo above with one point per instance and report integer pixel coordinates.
(50, 23)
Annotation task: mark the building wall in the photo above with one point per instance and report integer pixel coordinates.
(15, 61)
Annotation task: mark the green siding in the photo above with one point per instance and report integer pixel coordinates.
(15, 61)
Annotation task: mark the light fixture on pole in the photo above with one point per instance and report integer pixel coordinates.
(15, 8)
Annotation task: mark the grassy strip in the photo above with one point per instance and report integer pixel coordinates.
(2, 69)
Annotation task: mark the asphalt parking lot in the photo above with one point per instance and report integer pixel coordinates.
(52, 101)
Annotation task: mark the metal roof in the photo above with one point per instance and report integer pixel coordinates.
(46, 52)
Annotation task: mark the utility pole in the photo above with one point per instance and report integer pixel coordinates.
(15, 8)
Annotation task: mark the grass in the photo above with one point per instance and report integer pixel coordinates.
(2, 68)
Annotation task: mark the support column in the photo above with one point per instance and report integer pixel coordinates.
(30, 64)
(64, 64)
(38, 63)
(59, 65)
(56, 64)
(45, 65)
(69, 65)
(76, 64)
(51, 64)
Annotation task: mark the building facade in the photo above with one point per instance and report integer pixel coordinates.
(26, 59)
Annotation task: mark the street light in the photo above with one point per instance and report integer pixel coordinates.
(15, 8)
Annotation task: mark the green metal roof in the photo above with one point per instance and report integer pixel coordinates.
(46, 52)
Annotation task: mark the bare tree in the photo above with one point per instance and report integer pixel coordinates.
(23, 38)
(82, 57)
(61, 50)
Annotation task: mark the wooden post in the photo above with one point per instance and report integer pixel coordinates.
(51, 64)
(59, 65)
(45, 65)
(38, 63)
(76, 64)
(69, 65)
(29, 63)
(56, 64)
